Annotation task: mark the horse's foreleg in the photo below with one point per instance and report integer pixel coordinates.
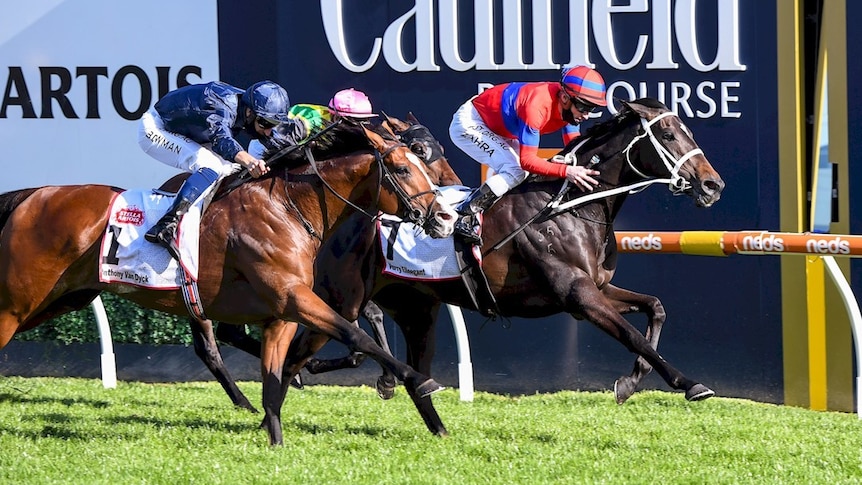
(207, 350)
(386, 382)
(315, 313)
(595, 307)
(277, 336)
(626, 301)
(416, 316)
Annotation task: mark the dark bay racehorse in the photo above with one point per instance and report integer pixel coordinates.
(257, 248)
(561, 262)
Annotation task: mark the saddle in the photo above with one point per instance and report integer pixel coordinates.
(411, 254)
(474, 279)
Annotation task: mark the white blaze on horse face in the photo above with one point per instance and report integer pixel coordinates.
(446, 216)
(421, 166)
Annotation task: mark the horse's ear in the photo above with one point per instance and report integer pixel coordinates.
(623, 104)
(642, 111)
(375, 139)
(412, 118)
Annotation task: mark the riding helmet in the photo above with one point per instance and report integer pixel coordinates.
(584, 83)
(268, 100)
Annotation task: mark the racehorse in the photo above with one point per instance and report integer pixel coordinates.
(422, 143)
(257, 248)
(542, 260)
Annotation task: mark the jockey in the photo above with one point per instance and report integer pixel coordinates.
(501, 128)
(193, 128)
(308, 119)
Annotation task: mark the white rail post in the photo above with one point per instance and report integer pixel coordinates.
(109, 363)
(465, 366)
(852, 307)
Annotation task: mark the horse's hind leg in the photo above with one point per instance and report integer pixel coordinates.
(235, 336)
(626, 301)
(8, 326)
(603, 313)
(207, 350)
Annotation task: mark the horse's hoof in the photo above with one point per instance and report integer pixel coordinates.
(623, 390)
(698, 392)
(428, 387)
(385, 390)
(248, 407)
(313, 366)
(296, 382)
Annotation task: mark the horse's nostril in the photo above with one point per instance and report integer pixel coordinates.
(711, 186)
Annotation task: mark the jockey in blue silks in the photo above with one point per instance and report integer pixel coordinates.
(193, 128)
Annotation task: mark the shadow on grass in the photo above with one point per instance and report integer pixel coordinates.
(214, 424)
(25, 399)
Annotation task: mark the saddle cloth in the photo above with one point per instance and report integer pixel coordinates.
(126, 257)
(412, 254)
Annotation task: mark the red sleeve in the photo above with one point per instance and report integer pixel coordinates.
(533, 163)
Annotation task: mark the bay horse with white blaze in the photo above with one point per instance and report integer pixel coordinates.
(546, 256)
(419, 140)
(257, 249)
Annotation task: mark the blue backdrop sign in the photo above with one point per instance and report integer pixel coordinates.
(713, 62)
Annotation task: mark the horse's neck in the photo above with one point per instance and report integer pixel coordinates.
(353, 178)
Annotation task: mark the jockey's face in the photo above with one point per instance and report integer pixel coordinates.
(258, 127)
(574, 111)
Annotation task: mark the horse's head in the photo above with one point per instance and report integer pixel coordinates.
(419, 139)
(409, 191)
(666, 148)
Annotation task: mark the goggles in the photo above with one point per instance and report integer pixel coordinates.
(265, 123)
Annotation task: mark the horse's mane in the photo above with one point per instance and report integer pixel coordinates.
(339, 137)
(597, 133)
(335, 138)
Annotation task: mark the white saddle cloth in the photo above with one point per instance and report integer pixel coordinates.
(411, 253)
(126, 257)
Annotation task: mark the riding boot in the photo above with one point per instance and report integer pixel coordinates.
(164, 232)
(467, 225)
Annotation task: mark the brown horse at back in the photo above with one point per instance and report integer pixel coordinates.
(257, 248)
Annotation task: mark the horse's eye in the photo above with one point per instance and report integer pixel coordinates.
(667, 136)
(402, 170)
(419, 149)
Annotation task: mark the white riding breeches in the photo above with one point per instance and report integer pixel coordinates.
(470, 133)
(177, 150)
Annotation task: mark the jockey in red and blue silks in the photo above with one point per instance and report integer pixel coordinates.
(501, 128)
(194, 128)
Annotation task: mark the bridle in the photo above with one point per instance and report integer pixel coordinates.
(676, 184)
(417, 213)
(421, 133)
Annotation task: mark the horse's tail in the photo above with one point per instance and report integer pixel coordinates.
(9, 201)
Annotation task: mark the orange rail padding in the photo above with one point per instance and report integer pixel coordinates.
(722, 243)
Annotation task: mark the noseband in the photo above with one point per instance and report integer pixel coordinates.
(415, 215)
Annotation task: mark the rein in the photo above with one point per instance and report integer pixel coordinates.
(676, 183)
(415, 215)
(243, 174)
